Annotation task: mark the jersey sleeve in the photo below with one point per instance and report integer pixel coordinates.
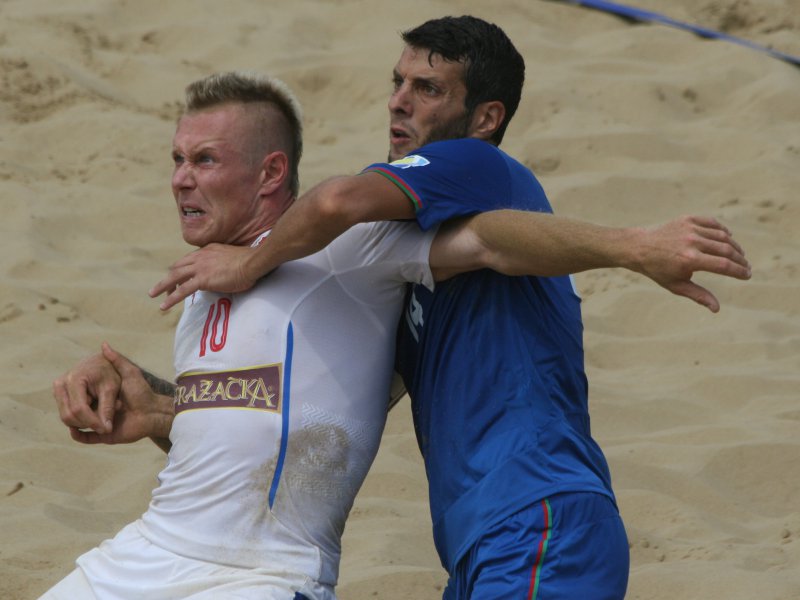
(453, 178)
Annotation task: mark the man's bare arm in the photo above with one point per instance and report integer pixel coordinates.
(162, 407)
(531, 243)
(314, 220)
(512, 242)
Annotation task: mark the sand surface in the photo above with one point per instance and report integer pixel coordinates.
(699, 414)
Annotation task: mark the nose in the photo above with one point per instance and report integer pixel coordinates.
(182, 177)
(400, 101)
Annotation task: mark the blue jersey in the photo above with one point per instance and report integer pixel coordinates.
(493, 364)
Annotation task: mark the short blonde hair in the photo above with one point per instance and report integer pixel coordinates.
(238, 87)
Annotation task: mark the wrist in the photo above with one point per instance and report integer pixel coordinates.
(633, 247)
(257, 262)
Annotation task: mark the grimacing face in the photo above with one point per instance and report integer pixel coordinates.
(215, 182)
(427, 103)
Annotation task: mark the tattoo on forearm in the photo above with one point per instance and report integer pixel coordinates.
(158, 385)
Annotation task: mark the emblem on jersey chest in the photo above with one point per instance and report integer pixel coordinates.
(255, 388)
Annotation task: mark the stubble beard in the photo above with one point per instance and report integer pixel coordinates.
(452, 130)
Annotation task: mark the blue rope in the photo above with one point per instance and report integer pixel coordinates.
(637, 14)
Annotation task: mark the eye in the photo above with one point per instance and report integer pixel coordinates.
(397, 81)
(177, 159)
(204, 159)
(428, 89)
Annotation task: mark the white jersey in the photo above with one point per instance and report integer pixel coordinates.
(281, 402)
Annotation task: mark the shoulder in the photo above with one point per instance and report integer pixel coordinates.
(453, 164)
(378, 241)
(448, 155)
(466, 152)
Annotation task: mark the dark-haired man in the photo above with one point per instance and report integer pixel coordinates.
(520, 493)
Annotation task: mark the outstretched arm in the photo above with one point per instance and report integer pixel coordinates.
(530, 243)
(314, 220)
(512, 242)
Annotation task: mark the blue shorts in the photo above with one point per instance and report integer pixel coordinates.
(571, 545)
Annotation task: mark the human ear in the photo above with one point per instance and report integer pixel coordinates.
(274, 171)
(487, 119)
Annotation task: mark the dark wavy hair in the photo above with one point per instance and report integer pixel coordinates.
(493, 68)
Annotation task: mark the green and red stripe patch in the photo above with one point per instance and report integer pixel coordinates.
(412, 195)
(541, 551)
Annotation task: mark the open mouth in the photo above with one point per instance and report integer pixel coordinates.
(398, 135)
(192, 212)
